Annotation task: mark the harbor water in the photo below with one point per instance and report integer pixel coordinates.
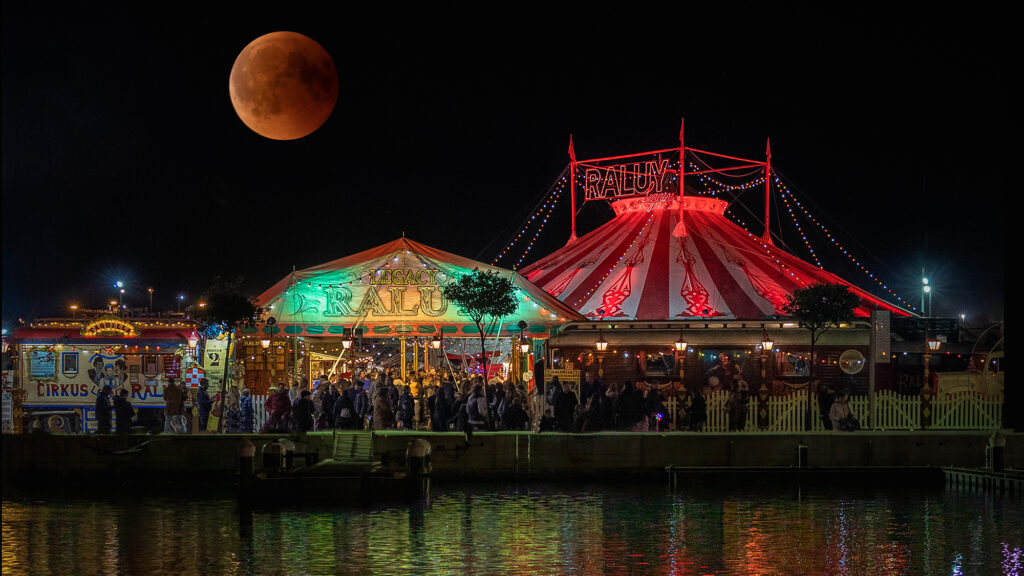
(536, 528)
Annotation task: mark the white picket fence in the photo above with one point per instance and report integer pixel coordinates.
(962, 411)
(892, 411)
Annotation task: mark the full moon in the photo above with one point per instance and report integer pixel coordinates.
(283, 85)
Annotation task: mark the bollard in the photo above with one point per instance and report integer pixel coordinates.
(246, 463)
(288, 451)
(273, 456)
(996, 446)
(801, 456)
(417, 454)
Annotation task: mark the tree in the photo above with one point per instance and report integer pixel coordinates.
(818, 308)
(226, 308)
(480, 295)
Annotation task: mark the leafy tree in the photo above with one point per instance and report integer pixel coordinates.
(818, 308)
(481, 295)
(226, 308)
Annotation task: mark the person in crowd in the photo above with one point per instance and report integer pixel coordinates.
(246, 412)
(632, 413)
(123, 412)
(103, 413)
(589, 387)
(344, 412)
(406, 409)
(725, 372)
(360, 406)
(594, 413)
(328, 400)
(658, 415)
(204, 404)
(736, 406)
(565, 408)
(278, 407)
(840, 415)
(698, 412)
(552, 392)
(476, 408)
(303, 413)
(383, 411)
(441, 412)
(174, 406)
(293, 392)
(515, 417)
(232, 411)
(826, 397)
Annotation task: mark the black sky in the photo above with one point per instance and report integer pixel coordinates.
(124, 159)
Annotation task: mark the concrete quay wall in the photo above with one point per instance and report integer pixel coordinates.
(213, 457)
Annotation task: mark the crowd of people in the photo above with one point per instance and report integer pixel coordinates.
(380, 400)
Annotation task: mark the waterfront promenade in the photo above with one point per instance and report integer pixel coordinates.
(212, 458)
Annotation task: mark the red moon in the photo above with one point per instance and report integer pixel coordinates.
(283, 85)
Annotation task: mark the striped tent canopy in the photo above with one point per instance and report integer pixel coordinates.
(633, 268)
(393, 290)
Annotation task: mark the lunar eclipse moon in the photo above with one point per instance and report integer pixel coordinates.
(283, 85)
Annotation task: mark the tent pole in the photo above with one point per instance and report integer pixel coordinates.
(680, 230)
(767, 239)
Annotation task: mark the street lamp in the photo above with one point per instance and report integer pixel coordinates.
(926, 289)
(346, 339)
(435, 342)
(601, 343)
(181, 298)
(933, 345)
(150, 290)
(74, 308)
(766, 347)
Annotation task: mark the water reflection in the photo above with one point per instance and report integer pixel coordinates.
(538, 528)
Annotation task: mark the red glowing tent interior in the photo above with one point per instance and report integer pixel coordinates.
(634, 268)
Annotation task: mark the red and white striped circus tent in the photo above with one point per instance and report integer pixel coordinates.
(634, 268)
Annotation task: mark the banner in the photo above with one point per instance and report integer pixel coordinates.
(215, 361)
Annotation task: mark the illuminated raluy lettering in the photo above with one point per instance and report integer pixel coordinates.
(624, 180)
(427, 300)
(338, 302)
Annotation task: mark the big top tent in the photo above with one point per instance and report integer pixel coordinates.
(635, 268)
(396, 289)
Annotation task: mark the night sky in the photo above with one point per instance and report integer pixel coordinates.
(123, 157)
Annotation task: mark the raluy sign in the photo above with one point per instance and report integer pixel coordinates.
(627, 180)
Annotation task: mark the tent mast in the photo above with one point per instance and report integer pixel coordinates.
(767, 238)
(572, 189)
(680, 230)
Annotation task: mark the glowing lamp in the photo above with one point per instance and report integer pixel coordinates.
(193, 340)
(346, 341)
(766, 342)
(435, 342)
(601, 343)
(524, 346)
(933, 344)
(265, 343)
(681, 343)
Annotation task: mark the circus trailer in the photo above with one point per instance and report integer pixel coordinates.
(62, 364)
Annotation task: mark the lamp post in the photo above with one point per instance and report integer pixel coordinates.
(193, 341)
(524, 349)
(74, 308)
(150, 290)
(926, 289)
(766, 347)
(681, 356)
(181, 298)
(601, 345)
(933, 345)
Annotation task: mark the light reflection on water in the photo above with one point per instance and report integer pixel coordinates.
(523, 529)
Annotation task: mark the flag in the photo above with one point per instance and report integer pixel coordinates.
(572, 153)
